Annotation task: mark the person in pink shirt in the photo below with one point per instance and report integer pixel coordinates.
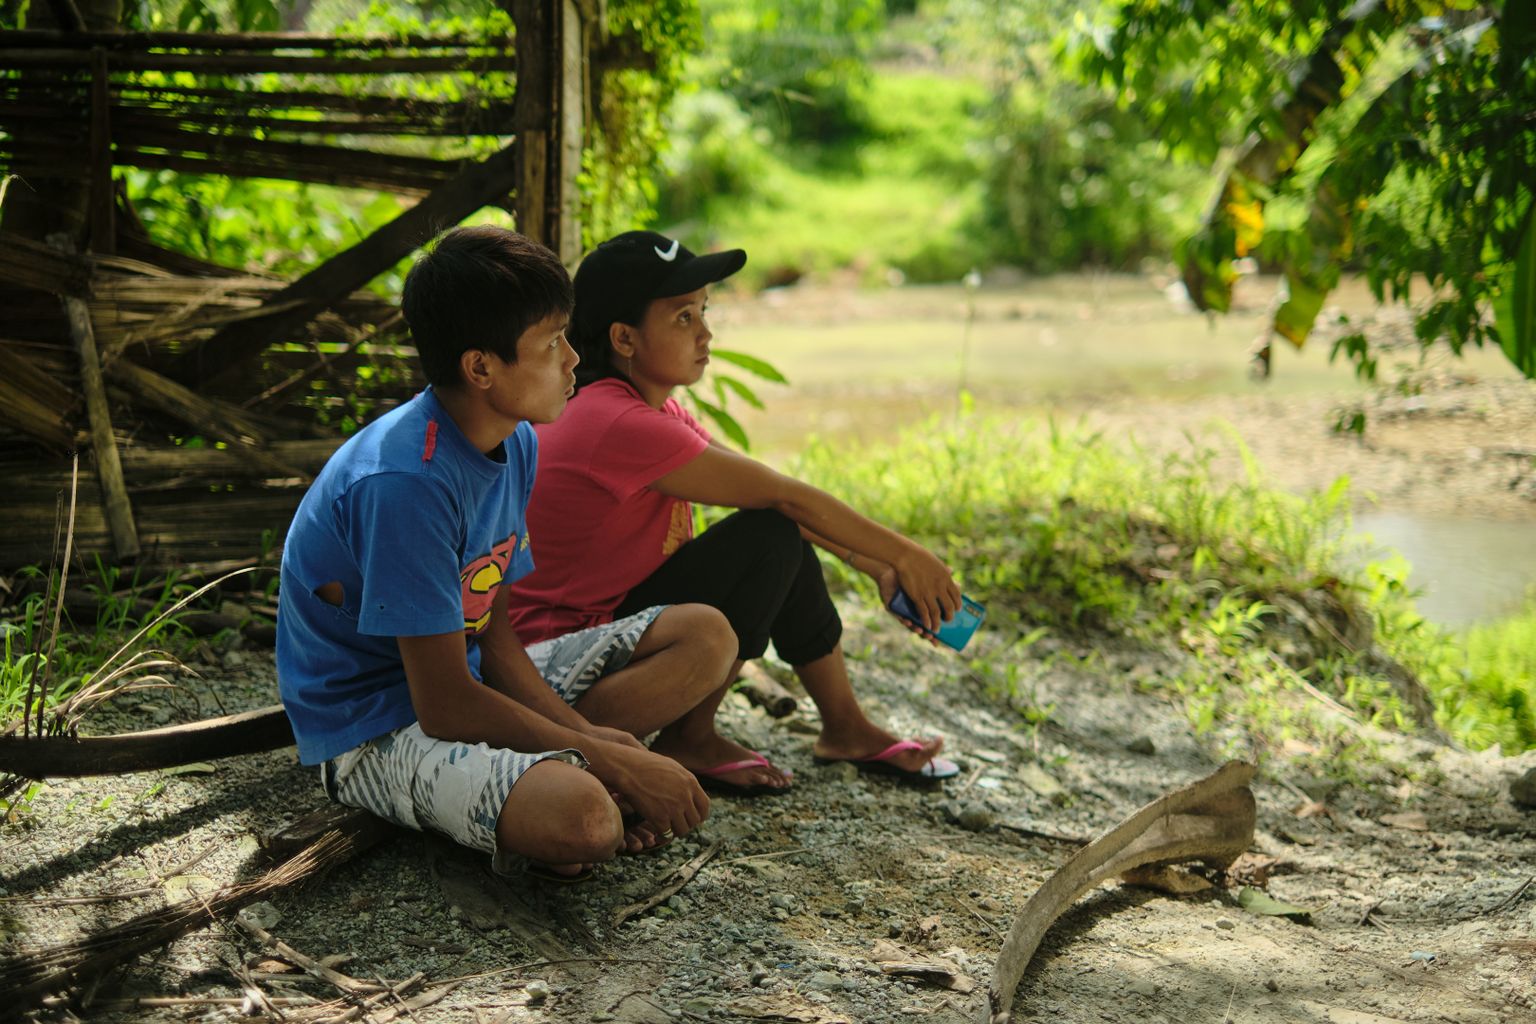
(611, 522)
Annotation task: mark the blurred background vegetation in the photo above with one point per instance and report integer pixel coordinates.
(911, 141)
(885, 141)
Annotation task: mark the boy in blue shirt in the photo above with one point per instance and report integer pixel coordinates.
(396, 662)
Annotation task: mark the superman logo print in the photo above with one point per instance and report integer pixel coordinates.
(478, 583)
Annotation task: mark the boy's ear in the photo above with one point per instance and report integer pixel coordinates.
(475, 368)
(619, 336)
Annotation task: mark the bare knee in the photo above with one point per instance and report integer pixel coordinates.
(560, 814)
(595, 826)
(706, 634)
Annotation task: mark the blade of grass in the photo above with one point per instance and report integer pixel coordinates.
(106, 672)
(34, 685)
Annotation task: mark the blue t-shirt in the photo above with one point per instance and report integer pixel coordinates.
(419, 528)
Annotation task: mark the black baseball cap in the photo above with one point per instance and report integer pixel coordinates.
(622, 276)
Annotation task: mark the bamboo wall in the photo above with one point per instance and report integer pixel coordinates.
(115, 348)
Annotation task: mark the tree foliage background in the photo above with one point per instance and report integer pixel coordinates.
(921, 139)
(1395, 137)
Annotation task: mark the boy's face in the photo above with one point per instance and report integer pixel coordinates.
(671, 348)
(537, 386)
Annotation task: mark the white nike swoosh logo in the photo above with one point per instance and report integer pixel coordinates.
(670, 254)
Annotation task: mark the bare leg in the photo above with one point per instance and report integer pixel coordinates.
(845, 731)
(673, 684)
(562, 816)
(677, 664)
(693, 742)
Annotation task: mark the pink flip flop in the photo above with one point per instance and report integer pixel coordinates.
(710, 778)
(936, 770)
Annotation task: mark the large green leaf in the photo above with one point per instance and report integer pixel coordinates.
(1515, 308)
(1257, 901)
(1294, 319)
(743, 392)
(723, 419)
(751, 364)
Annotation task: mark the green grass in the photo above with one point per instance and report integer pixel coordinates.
(1483, 678)
(1277, 646)
(54, 676)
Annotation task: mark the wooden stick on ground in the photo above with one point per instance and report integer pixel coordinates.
(1210, 820)
(767, 694)
(345, 982)
(674, 882)
(372, 1002)
(41, 757)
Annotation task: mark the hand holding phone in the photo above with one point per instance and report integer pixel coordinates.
(956, 632)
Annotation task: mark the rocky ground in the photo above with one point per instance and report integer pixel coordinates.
(1421, 908)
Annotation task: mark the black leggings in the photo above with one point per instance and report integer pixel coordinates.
(756, 568)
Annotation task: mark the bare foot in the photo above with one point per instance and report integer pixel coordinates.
(642, 837)
(704, 753)
(869, 742)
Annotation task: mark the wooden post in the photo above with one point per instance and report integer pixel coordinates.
(103, 233)
(571, 110)
(533, 113)
(549, 115)
(125, 536)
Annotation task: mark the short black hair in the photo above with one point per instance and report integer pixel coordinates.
(480, 288)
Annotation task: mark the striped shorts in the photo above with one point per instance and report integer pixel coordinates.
(458, 789)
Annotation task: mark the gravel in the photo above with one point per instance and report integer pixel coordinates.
(790, 920)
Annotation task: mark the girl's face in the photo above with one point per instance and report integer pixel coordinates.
(671, 346)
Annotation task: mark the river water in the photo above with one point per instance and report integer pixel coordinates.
(1468, 570)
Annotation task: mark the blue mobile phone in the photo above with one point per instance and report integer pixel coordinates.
(956, 632)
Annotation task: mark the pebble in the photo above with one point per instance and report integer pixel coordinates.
(843, 771)
(1523, 790)
(1225, 923)
(1141, 745)
(1144, 988)
(263, 915)
(1042, 782)
(821, 981)
(976, 817)
(536, 990)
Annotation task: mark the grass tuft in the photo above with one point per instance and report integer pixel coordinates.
(1279, 642)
